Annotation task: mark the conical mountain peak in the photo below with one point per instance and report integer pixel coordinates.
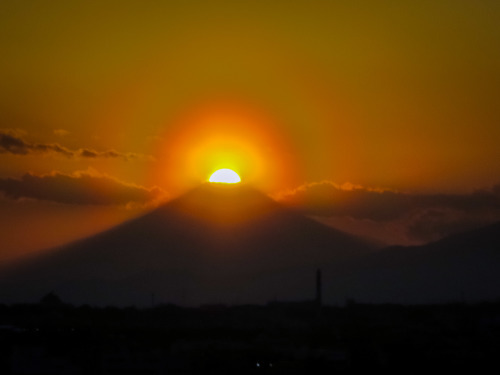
(212, 244)
(224, 204)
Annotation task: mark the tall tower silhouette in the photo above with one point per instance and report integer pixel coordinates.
(318, 289)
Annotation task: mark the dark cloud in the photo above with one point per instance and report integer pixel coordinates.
(329, 199)
(13, 143)
(425, 217)
(79, 188)
(434, 223)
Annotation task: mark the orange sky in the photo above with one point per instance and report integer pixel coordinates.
(138, 102)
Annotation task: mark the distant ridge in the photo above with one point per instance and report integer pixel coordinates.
(215, 244)
(464, 267)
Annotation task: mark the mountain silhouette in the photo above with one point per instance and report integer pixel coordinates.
(461, 267)
(214, 244)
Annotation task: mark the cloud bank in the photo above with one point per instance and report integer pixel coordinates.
(12, 142)
(80, 188)
(421, 217)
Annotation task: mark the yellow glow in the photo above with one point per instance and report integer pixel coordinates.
(230, 134)
(225, 176)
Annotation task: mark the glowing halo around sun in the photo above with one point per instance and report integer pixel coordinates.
(225, 133)
(225, 176)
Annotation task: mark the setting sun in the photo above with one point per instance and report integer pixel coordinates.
(225, 176)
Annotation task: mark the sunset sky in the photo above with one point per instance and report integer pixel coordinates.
(380, 118)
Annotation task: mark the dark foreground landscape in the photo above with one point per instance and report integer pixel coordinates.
(52, 337)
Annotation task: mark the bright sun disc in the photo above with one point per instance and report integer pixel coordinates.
(225, 176)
